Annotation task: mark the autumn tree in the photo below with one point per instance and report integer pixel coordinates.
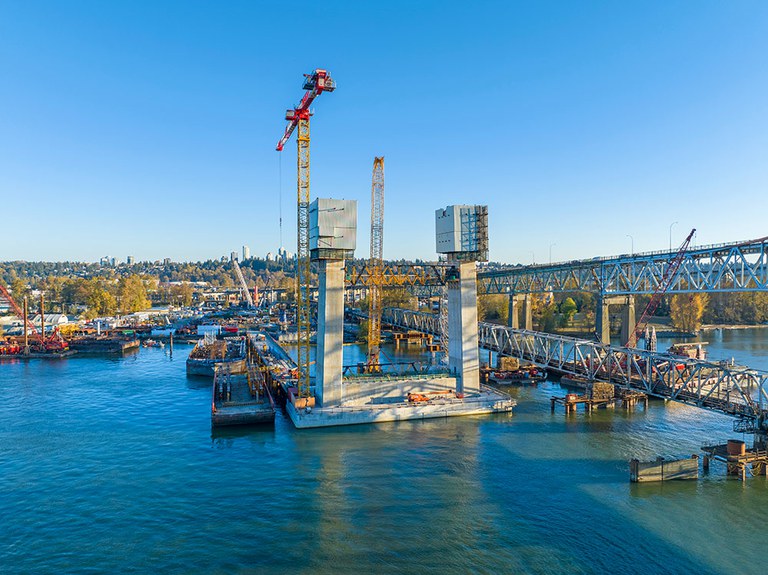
(493, 308)
(686, 310)
(132, 295)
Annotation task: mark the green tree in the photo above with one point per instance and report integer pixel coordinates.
(568, 309)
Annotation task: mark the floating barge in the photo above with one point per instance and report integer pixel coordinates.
(242, 399)
(211, 355)
(103, 344)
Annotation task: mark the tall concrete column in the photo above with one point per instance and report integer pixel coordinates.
(528, 312)
(513, 318)
(463, 353)
(628, 323)
(603, 319)
(330, 333)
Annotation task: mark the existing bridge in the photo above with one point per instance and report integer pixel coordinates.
(732, 267)
(732, 390)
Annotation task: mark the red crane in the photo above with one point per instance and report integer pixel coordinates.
(18, 311)
(661, 289)
(315, 84)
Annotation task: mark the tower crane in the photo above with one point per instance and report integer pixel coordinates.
(661, 289)
(315, 84)
(376, 265)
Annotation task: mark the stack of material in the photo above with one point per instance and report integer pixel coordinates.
(600, 390)
(508, 363)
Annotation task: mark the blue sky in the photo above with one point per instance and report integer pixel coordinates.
(148, 128)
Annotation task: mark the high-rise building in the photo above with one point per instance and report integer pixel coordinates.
(246, 253)
(130, 260)
(233, 256)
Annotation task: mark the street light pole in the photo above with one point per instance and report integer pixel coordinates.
(670, 235)
(632, 252)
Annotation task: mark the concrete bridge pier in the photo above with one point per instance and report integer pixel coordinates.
(330, 333)
(463, 351)
(603, 318)
(513, 317)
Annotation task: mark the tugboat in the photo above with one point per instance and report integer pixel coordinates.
(211, 354)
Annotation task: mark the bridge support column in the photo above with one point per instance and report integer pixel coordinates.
(528, 312)
(603, 320)
(603, 317)
(330, 333)
(628, 323)
(513, 307)
(463, 352)
(513, 317)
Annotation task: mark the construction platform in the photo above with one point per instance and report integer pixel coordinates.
(387, 399)
(740, 460)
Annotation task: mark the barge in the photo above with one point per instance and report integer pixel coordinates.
(211, 354)
(241, 399)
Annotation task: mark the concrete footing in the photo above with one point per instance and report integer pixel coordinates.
(376, 402)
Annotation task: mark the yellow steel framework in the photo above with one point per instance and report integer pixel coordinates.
(376, 264)
(303, 322)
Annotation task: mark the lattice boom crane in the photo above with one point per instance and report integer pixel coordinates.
(376, 264)
(659, 292)
(315, 84)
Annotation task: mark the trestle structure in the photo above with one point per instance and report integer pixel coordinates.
(720, 387)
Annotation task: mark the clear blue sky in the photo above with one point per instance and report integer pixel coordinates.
(148, 128)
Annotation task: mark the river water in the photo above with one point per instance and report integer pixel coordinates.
(110, 466)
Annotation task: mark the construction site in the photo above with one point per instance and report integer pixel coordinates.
(327, 232)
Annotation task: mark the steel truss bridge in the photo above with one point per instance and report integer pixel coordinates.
(727, 389)
(734, 267)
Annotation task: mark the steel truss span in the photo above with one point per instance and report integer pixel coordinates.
(735, 391)
(736, 267)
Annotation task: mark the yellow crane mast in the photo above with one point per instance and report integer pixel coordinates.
(315, 84)
(376, 265)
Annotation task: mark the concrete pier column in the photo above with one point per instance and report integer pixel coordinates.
(330, 333)
(463, 352)
(628, 322)
(513, 316)
(528, 312)
(603, 319)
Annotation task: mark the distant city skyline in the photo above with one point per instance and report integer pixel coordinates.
(588, 129)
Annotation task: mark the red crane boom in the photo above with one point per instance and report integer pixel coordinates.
(18, 312)
(316, 83)
(660, 290)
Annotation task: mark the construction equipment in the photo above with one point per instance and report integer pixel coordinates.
(376, 265)
(54, 343)
(315, 84)
(28, 325)
(243, 285)
(661, 289)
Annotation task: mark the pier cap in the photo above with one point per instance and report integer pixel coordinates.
(332, 229)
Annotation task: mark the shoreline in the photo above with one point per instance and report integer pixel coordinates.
(714, 326)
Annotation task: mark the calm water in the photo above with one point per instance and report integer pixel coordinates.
(109, 466)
